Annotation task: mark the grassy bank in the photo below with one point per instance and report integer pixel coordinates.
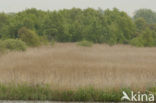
(40, 92)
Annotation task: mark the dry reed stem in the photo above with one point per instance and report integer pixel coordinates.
(67, 65)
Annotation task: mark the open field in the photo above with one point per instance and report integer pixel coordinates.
(68, 66)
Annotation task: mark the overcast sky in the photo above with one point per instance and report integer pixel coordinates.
(126, 5)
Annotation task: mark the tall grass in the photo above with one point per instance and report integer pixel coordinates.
(44, 92)
(70, 67)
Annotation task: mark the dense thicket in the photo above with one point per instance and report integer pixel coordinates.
(98, 26)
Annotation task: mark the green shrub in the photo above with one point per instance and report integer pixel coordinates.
(29, 37)
(85, 43)
(13, 44)
(146, 38)
(2, 48)
(137, 42)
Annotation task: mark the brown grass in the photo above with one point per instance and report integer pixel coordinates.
(70, 66)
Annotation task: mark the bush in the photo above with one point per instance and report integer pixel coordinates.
(2, 48)
(29, 37)
(13, 44)
(137, 42)
(85, 43)
(146, 38)
(149, 37)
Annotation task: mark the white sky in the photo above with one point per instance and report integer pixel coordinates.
(126, 5)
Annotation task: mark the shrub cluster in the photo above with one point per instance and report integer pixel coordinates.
(29, 37)
(12, 44)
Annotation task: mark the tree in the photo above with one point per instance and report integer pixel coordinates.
(125, 27)
(72, 25)
(50, 33)
(147, 14)
(140, 23)
(4, 21)
(28, 36)
(146, 38)
(30, 18)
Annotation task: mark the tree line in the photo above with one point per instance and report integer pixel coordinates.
(34, 26)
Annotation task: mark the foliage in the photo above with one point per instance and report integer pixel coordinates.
(137, 42)
(146, 38)
(4, 21)
(72, 25)
(43, 40)
(85, 43)
(44, 92)
(140, 23)
(2, 47)
(147, 14)
(29, 37)
(12, 44)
